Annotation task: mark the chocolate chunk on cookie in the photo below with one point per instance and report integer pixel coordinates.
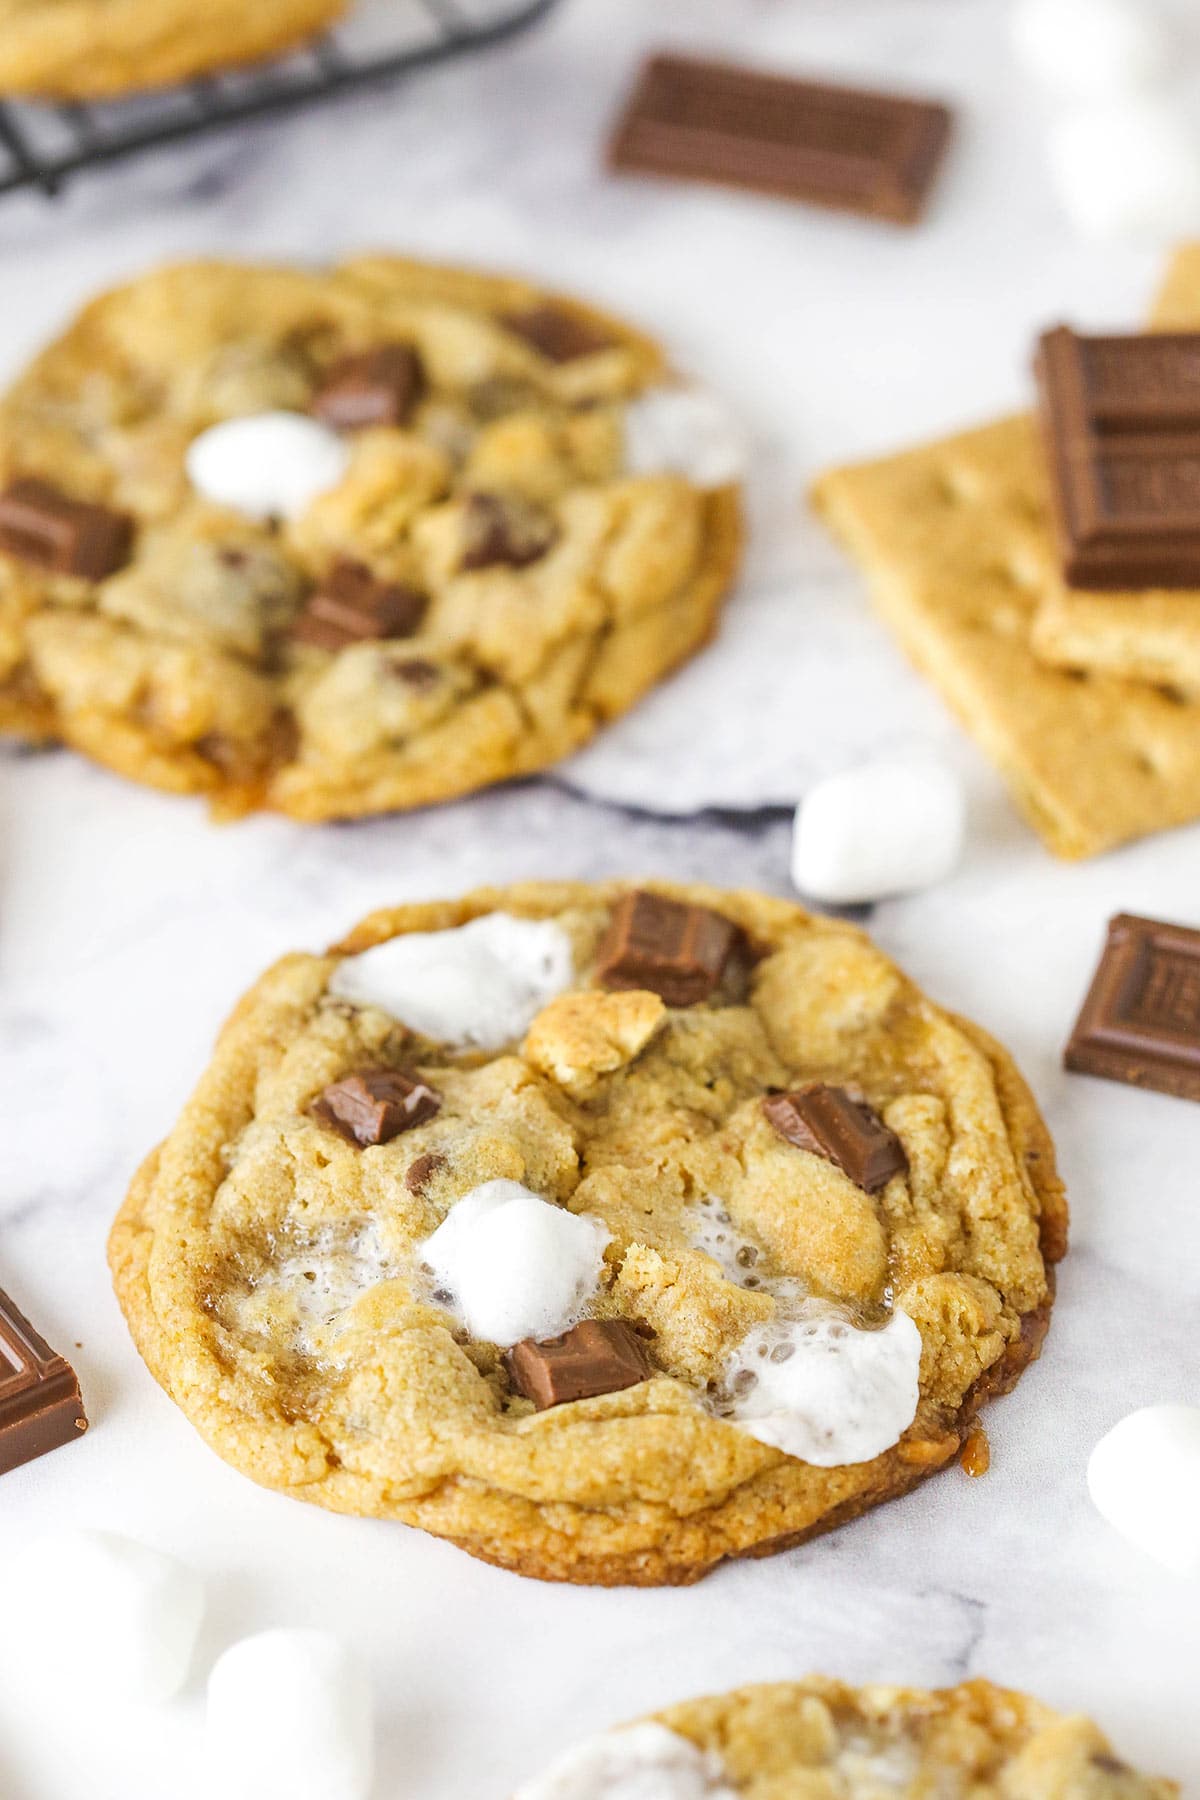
(678, 952)
(372, 1106)
(375, 387)
(558, 335)
(597, 1356)
(833, 1124)
(42, 525)
(352, 604)
(501, 528)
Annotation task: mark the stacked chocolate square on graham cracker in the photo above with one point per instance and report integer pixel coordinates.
(1045, 573)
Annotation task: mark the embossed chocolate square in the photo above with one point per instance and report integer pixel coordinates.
(831, 1123)
(40, 1404)
(1121, 420)
(674, 950)
(849, 148)
(1140, 1022)
(597, 1356)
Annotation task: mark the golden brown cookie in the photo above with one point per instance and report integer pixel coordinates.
(956, 542)
(87, 49)
(607, 1233)
(468, 580)
(808, 1740)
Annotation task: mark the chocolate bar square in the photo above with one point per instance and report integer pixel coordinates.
(1140, 1022)
(1121, 422)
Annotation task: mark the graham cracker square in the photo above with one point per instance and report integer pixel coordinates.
(956, 541)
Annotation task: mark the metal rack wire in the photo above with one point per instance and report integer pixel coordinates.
(42, 146)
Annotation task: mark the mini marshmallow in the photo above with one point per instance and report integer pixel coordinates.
(266, 465)
(641, 1762)
(887, 828)
(819, 1389)
(1144, 1478)
(480, 984)
(1092, 48)
(514, 1265)
(289, 1718)
(120, 1617)
(685, 431)
(1128, 170)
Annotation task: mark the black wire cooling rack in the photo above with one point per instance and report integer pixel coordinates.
(42, 145)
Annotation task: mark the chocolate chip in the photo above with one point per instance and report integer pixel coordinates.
(845, 1131)
(598, 1356)
(42, 525)
(422, 1170)
(372, 1106)
(556, 333)
(375, 387)
(676, 951)
(352, 604)
(499, 528)
(416, 673)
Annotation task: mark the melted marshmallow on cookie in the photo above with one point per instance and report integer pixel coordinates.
(818, 1388)
(642, 1762)
(480, 984)
(514, 1266)
(266, 465)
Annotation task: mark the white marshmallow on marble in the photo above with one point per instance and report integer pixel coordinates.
(889, 827)
(1129, 170)
(267, 465)
(290, 1717)
(818, 1388)
(1144, 1478)
(685, 431)
(515, 1265)
(640, 1762)
(1090, 49)
(121, 1617)
(481, 983)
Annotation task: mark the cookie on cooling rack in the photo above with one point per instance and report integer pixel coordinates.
(335, 543)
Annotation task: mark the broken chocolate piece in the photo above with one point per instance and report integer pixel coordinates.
(1140, 1022)
(804, 140)
(556, 333)
(676, 951)
(500, 528)
(845, 1131)
(597, 1356)
(1121, 422)
(375, 387)
(40, 1404)
(422, 1170)
(352, 604)
(372, 1106)
(42, 525)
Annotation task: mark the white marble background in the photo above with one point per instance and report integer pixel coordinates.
(128, 924)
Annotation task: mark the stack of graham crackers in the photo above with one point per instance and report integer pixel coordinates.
(1087, 698)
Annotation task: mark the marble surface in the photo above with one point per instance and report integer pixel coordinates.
(128, 924)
